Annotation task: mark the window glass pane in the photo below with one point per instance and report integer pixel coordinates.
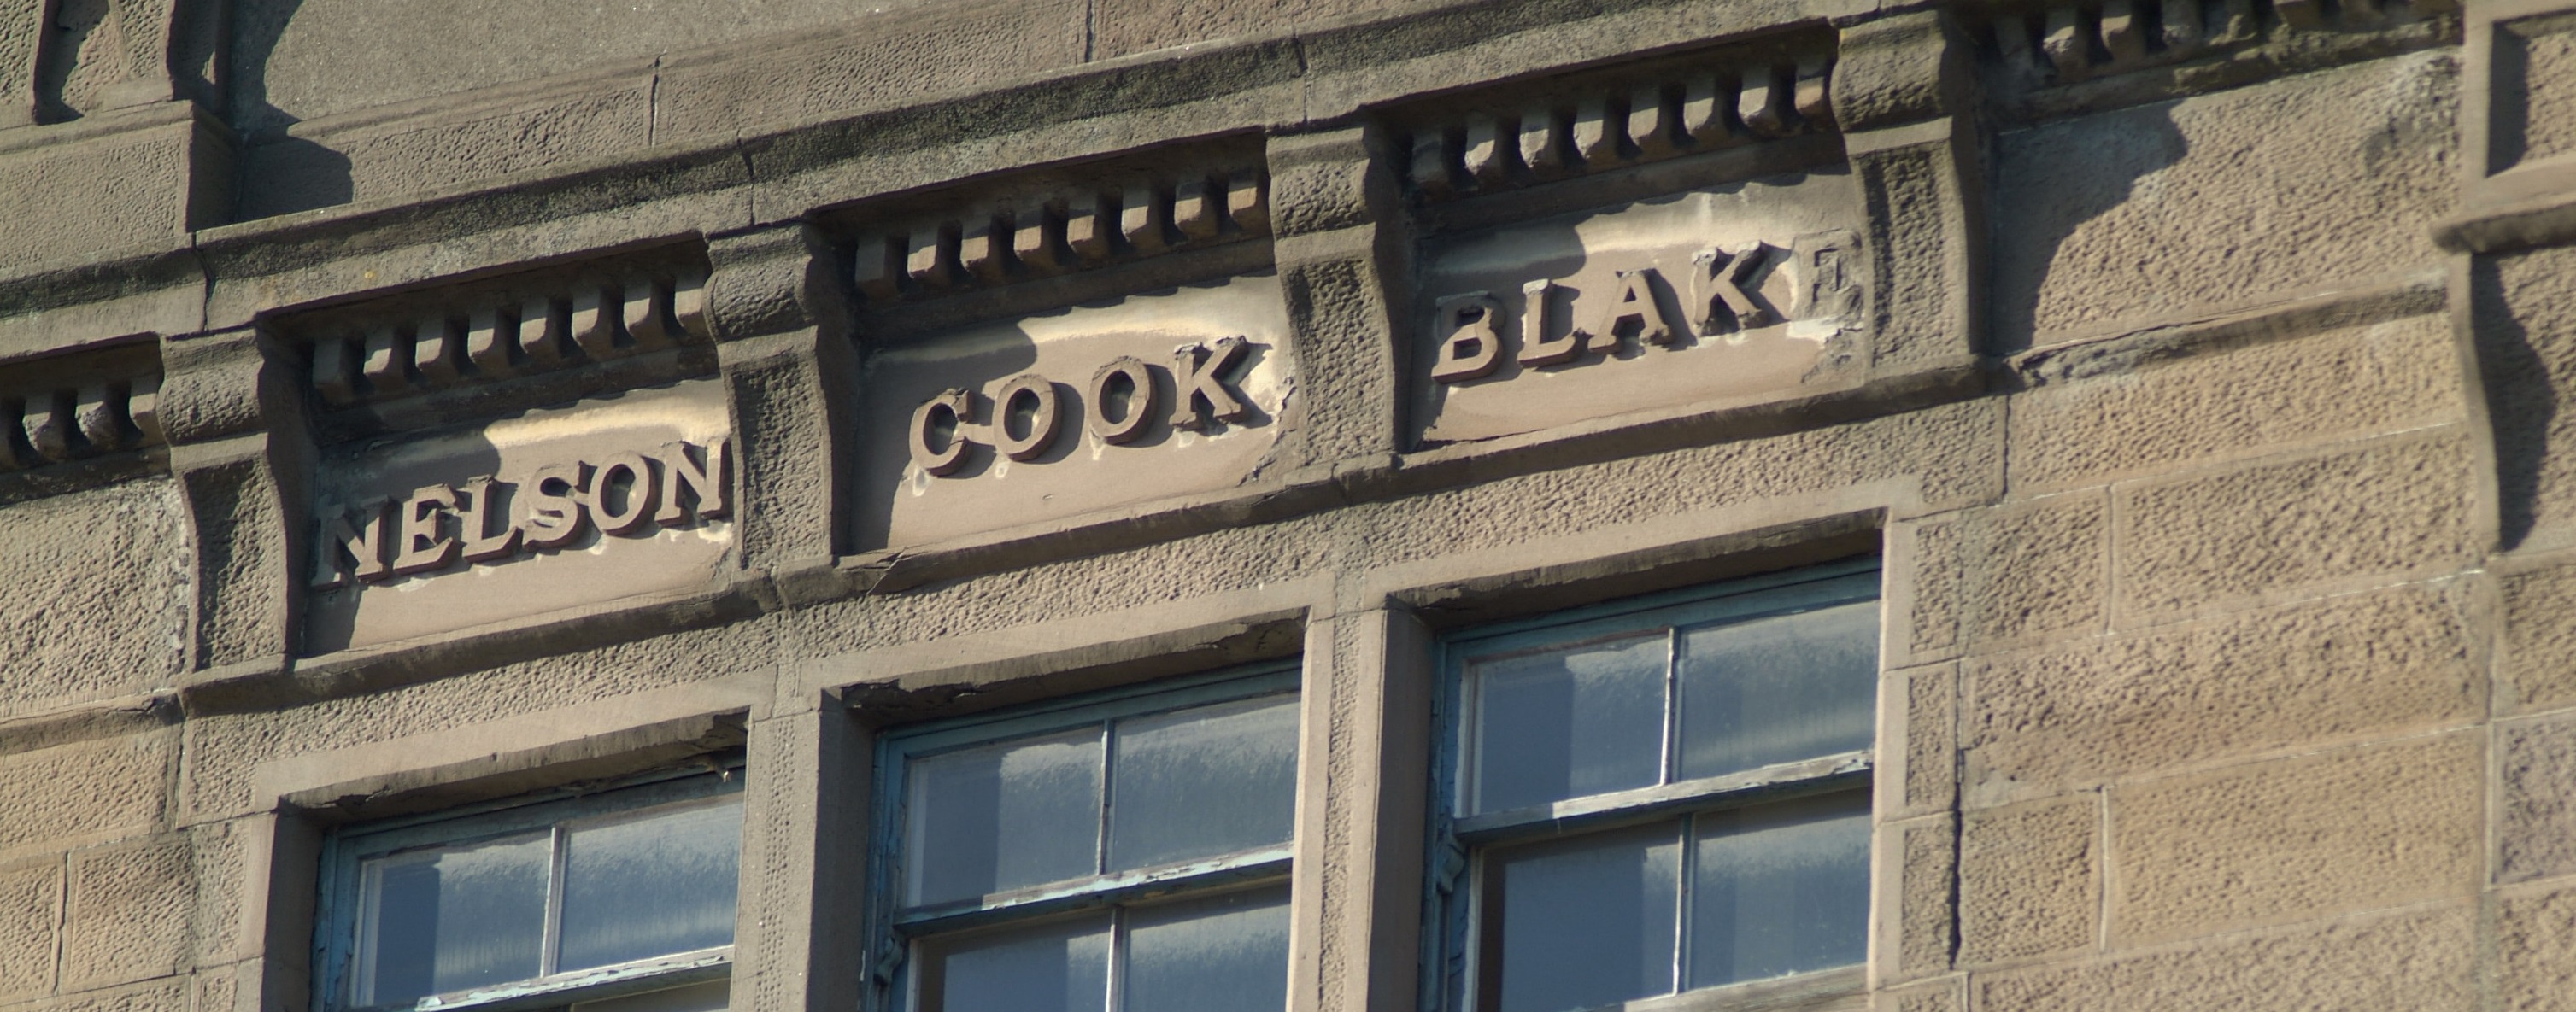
(1568, 723)
(650, 886)
(1202, 782)
(1220, 954)
(1005, 816)
(1058, 967)
(1780, 889)
(1778, 689)
(1587, 921)
(445, 920)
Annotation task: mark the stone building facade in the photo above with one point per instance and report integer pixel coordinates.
(864, 455)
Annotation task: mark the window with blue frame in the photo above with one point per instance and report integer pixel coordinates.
(1654, 798)
(1124, 851)
(613, 900)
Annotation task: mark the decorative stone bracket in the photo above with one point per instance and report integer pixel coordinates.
(594, 320)
(1725, 103)
(2072, 40)
(1001, 241)
(94, 419)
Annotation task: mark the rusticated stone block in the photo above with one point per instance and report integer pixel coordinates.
(2152, 211)
(86, 790)
(2418, 960)
(1916, 862)
(2026, 571)
(2539, 663)
(1934, 996)
(2526, 343)
(2536, 771)
(2535, 941)
(2386, 508)
(31, 903)
(1922, 713)
(142, 187)
(169, 994)
(126, 917)
(94, 595)
(1123, 27)
(2292, 839)
(2029, 879)
(2048, 720)
(2355, 381)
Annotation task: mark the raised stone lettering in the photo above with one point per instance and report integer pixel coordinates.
(1475, 342)
(555, 512)
(1538, 316)
(1198, 375)
(1045, 416)
(1138, 401)
(424, 544)
(939, 443)
(633, 494)
(706, 479)
(352, 550)
(1724, 287)
(475, 519)
(1631, 309)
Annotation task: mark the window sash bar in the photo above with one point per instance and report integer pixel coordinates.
(1777, 782)
(1121, 888)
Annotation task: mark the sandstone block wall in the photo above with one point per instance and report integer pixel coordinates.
(2198, 371)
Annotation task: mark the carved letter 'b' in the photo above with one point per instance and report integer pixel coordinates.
(1473, 345)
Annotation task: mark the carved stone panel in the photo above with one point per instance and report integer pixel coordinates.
(1725, 295)
(612, 497)
(1047, 417)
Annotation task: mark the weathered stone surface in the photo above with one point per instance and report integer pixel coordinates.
(2292, 839)
(2354, 381)
(2071, 716)
(2019, 572)
(436, 147)
(95, 589)
(169, 994)
(2029, 879)
(2535, 940)
(2536, 831)
(878, 62)
(303, 60)
(1124, 27)
(126, 917)
(31, 904)
(1923, 862)
(2539, 662)
(2535, 98)
(2239, 197)
(1929, 698)
(2525, 317)
(104, 191)
(2388, 508)
(88, 790)
(1938, 996)
(2417, 960)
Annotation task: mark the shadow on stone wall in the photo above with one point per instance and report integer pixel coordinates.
(2051, 182)
(2522, 402)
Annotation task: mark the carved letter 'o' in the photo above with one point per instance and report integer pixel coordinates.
(1141, 401)
(640, 493)
(950, 411)
(1046, 415)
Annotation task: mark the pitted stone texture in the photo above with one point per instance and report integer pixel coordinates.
(31, 902)
(882, 60)
(1939, 996)
(2535, 939)
(2293, 839)
(2385, 509)
(2536, 114)
(1929, 851)
(227, 749)
(2243, 196)
(2539, 663)
(1931, 736)
(2024, 571)
(2417, 960)
(94, 595)
(127, 915)
(2536, 834)
(434, 149)
(91, 790)
(2028, 879)
(2526, 337)
(2355, 381)
(113, 193)
(169, 994)
(1122, 27)
(2073, 716)
(297, 60)
(219, 867)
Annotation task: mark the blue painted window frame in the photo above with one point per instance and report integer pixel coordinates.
(346, 848)
(894, 933)
(1457, 842)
